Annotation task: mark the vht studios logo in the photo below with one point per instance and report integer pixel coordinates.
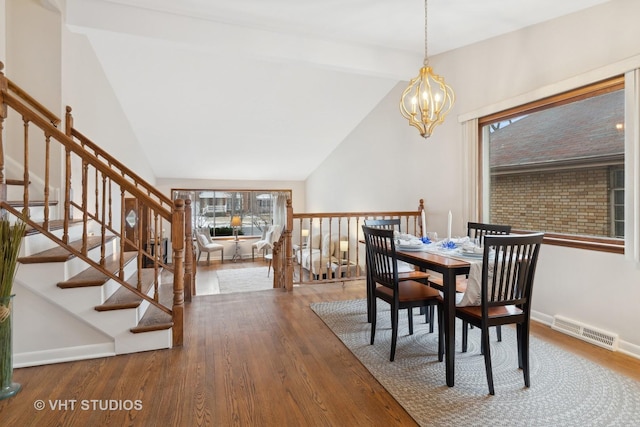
(88, 405)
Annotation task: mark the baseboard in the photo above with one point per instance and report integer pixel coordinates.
(624, 347)
(60, 355)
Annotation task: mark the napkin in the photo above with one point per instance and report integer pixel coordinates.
(407, 239)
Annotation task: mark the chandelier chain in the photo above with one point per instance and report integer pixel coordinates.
(426, 39)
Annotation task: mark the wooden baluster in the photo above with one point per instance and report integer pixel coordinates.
(47, 162)
(110, 206)
(85, 213)
(68, 126)
(189, 281)
(97, 193)
(141, 243)
(177, 238)
(157, 255)
(25, 208)
(288, 252)
(67, 197)
(123, 225)
(103, 225)
(420, 209)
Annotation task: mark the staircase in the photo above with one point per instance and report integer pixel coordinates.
(92, 280)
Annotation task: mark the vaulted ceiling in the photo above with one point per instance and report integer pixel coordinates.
(230, 88)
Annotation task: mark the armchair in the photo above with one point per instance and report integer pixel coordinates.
(206, 244)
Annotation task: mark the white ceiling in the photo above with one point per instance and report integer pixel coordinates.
(229, 89)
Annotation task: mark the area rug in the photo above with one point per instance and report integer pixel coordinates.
(566, 390)
(244, 280)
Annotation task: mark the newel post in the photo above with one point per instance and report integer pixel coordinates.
(4, 87)
(189, 276)
(177, 243)
(288, 248)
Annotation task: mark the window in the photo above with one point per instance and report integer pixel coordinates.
(557, 165)
(617, 202)
(214, 209)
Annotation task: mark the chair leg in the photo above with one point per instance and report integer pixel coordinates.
(222, 256)
(208, 257)
(499, 332)
(370, 298)
(430, 313)
(394, 332)
(524, 339)
(519, 341)
(253, 254)
(410, 315)
(440, 333)
(373, 313)
(487, 358)
(198, 259)
(465, 333)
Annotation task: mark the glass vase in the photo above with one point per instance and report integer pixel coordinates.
(7, 387)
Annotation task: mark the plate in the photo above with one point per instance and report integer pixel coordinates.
(471, 254)
(411, 248)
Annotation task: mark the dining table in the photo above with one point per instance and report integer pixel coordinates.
(449, 266)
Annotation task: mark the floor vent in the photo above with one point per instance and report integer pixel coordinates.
(587, 333)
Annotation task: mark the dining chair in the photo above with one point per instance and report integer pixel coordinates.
(508, 269)
(382, 265)
(476, 230)
(405, 271)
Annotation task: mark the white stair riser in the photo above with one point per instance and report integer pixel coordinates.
(154, 340)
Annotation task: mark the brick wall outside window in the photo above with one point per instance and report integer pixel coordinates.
(571, 201)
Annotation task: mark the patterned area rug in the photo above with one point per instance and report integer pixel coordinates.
(566, 390)
(244, 280)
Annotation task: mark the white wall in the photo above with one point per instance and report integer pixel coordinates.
(33, 62)
(3, 30)
(97, 112)
(599, 289)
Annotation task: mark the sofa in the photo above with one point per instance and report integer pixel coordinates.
(320, 255)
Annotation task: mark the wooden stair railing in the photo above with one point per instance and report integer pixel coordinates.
(341, 227)
(101, 177)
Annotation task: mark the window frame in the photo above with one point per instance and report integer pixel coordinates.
(615, 245)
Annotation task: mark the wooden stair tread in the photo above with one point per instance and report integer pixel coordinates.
(93, 277)
(34, 203)
(60, 254)
(123, 298)
(153, 320)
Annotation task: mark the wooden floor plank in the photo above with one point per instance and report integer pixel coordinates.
(261, 358)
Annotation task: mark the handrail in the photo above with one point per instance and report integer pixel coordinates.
(97, 266)
(55, 121)
(84, 155)
(112, 161)
(105, 172)
(315, 260)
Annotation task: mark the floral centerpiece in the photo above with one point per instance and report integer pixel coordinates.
(10, 240)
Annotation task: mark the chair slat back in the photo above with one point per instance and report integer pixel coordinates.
(479, 230)
(508, 269)
(381, 256)
(387, 224)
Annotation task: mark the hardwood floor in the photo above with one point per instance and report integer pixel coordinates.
(249, 359)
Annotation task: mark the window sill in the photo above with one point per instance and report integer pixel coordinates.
(601, 244)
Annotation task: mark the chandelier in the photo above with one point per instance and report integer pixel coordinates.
(427, 99)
